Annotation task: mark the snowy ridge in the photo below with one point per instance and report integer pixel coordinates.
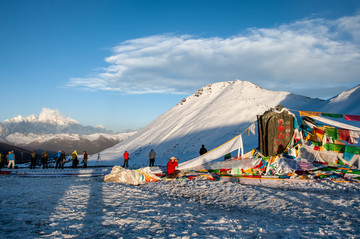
(211, 116)
(24, 139)
(48, 122)
(52, 131)
(345, 103)
(346, 95)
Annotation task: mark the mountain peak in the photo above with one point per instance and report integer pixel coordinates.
(222, 85)
(46, 116)
(346, 95)
(48, 122)
(219, 87)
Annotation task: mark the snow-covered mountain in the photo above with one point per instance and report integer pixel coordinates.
(52, 131)
(212, 116)
(348, 102)
(48, 122)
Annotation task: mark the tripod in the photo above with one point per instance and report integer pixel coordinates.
(98, 161)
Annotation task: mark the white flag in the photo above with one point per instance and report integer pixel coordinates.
(252, 128)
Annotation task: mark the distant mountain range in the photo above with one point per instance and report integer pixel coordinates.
(52, 132)
(213, 115)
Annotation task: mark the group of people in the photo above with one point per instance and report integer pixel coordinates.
(171, 165)
(152, 156)
(44, 159)
(59, 157)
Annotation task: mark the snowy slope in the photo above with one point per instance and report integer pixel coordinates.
(211, 116)
(347, 102)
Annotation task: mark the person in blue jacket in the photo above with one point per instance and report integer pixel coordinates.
(11, 159)
(57, 157)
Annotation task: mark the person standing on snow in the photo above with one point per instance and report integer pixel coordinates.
(1, 161)
(33, 159)
(62, 160)
(152, 155)
(203, 150)
(44, 159)
(11, 159)
(75, 160)
(57, 157)
(171, 165)
(126, 160)
(85, 159)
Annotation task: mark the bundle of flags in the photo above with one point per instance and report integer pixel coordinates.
(333, 138)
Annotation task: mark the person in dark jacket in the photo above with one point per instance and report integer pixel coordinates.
(85, 159)
(152, 155)
(33, 159)
(62, 160)
(44, 159)
(203, 150)
(2, 161)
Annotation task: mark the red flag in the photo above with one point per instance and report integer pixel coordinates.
(352, 117)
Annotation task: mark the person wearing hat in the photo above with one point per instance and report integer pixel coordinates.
(172, 164)
(11, 159)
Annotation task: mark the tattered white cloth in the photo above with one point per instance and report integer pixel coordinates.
(132, 177)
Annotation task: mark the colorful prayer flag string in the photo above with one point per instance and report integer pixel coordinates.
(330, 115)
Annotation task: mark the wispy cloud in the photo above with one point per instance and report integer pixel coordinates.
(302, 55)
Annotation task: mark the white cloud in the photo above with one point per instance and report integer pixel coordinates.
(302, 55)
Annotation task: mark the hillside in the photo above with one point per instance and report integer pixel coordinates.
(211, 116)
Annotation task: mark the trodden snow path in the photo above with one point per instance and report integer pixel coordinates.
(87, 207)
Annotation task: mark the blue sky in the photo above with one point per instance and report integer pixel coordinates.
(121, 64)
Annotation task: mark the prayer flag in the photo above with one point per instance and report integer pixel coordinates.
(332, 132)
(344, 134)
(338, 116)
(335, 147)
(309, 113)
(352, 117)
(252, 128)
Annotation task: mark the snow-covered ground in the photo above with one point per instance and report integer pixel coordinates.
(88, 207)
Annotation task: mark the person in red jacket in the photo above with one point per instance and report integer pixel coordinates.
(126, 160)
(171, 172)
